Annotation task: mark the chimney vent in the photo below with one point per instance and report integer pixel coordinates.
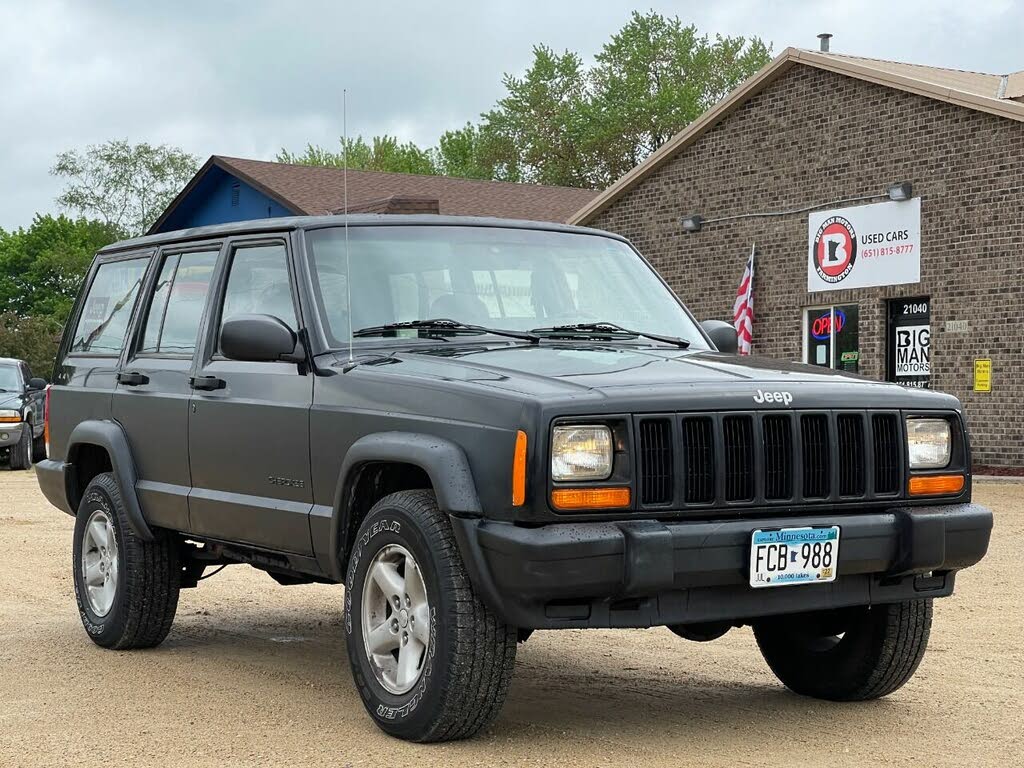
(824, 37)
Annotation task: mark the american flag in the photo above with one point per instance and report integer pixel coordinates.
(743, 309)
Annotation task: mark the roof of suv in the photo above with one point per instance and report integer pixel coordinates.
(361, 220)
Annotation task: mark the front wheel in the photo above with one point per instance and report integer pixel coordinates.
(430, 660)
(21, 454)
(849, 654)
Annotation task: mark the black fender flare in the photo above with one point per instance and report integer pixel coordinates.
(444, 462)
(110, 436)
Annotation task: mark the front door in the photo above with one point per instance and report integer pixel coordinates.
(249, 422)
(153, 392)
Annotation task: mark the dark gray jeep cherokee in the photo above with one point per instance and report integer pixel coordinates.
(484, 428)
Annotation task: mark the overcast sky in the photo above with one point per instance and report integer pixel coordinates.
(247, 78)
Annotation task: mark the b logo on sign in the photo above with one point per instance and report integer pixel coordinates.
(835, 249)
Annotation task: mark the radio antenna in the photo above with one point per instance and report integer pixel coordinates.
(344, 181)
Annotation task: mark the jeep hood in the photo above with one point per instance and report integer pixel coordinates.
(630, 371)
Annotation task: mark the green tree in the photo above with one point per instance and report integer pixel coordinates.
(655, 77)
(467, 153)
(125, 185)
(383, 153)
(563, 123)
(539, 131)
(42, 267)
(32, 339)
(570, 124)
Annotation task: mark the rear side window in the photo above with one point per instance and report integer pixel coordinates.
(172, 320)
(108, 307)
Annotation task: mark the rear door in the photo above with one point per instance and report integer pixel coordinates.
(152, 395)
(249, 422)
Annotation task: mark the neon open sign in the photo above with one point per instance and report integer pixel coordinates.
(821, 327)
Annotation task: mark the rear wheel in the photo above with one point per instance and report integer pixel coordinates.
(850, 654)
(126, 588)
(430, 660)
(21, 454)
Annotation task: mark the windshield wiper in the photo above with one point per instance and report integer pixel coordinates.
(606, 331)
(444, 325)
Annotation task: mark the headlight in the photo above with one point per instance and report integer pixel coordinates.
(581, 453)
(8, 416)
(928, 443)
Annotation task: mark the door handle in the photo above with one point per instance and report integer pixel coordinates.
(132, 378)
(206, 382)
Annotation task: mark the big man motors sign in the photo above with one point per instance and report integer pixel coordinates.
(863, 246)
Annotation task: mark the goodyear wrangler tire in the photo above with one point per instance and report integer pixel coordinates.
(851, 654)
(126, 589)
(431, 662)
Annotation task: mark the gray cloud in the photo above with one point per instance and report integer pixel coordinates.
(246, 78)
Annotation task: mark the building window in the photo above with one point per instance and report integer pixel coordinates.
(832, 337)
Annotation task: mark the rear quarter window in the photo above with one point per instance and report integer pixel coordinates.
(107, 308)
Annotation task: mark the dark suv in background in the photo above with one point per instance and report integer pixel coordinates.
(22, 413)
(484, 428)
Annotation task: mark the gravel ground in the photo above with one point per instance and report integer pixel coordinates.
(255, 673)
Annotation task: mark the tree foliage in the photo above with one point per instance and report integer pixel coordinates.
(382, 153)
(41, 270)
(567, 123)
(42, 267)
(564, 123)
(32, 339)
(124, 185)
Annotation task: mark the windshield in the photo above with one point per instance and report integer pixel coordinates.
(516, 279)
(10, 378)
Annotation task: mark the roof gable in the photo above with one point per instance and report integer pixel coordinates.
(973, 90)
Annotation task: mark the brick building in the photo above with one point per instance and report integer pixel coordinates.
(803, 137)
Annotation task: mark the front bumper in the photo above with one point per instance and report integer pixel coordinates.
(642, 573)
(10, 434)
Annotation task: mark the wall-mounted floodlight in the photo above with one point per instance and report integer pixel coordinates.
(901, 191)
(692, 223)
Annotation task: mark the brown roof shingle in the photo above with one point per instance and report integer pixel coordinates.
(314, 190)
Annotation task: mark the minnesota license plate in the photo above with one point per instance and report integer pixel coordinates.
(788, 556)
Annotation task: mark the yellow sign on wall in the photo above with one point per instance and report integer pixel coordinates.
(983, 375)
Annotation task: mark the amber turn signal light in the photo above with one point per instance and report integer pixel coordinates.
(519, 470)
(590, 498)
(935, 485)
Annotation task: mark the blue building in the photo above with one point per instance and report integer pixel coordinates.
(235, 189)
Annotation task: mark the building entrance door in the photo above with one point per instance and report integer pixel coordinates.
(908, 343)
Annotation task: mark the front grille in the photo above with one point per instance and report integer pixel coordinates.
(851, 454)
(699, 460)
(738, 435)
(887, 453)
(737, 459)
(816, 449)
(778, 457)
(656, 459)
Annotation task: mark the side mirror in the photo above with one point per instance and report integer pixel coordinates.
(36, 384)
(259, 339)
(722, 335)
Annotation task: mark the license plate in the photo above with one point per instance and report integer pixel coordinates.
(788, 556)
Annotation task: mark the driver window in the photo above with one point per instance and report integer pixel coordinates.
(259, 284)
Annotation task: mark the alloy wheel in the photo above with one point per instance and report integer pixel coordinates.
(395, 619)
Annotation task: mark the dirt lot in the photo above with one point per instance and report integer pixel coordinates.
(255, 673)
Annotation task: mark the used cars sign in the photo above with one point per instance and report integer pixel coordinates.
(865, 245)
